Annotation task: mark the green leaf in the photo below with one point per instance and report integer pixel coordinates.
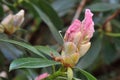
(47, 50)
(117, 43)
(1, 11)
(86, 74)
(92, 54)
(102, 7)
(49, 16)
(63, 6)
(116, 23)
(31, 63)
(9, 51)
(24, 45)
(76, 79)
(109, 51)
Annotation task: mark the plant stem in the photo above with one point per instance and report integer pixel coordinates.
(79, 9)
(53, 68)
(113, 34)
(55, 75)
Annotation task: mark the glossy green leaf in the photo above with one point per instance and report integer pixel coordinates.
(31, 63)
(49, 16)
(47, 50)
(102, 7)
(86, 74)
(92, 53)
(27, 46)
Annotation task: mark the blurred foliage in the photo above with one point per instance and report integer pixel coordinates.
(43, 21)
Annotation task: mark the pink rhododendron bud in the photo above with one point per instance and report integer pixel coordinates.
(85, 29)
(11, 23)
(42, 76)
(76, 39)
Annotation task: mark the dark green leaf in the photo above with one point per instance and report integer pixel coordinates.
(116, 23)
(29, 47)
(102, 7)
(49, 16)
(117, 43)
(31, 63)
(87, 75)
(92, 54)
(108, 51)
(1, 11)
(47, 50)
(9, 50)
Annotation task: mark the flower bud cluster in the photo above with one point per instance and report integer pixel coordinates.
(77, 40)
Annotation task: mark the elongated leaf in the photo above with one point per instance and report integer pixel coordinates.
(87, 75)
(102, 7)
(30, 48)
(47, 50)
(109, 52)
(10, 51)
(31, 63)
(91, 55)
(49, 16)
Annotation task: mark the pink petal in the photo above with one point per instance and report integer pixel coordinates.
(88, 23)
(74, 28)
(42, 76)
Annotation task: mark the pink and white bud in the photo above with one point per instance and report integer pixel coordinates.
(77, 39)
(79, 31)
(42, 76)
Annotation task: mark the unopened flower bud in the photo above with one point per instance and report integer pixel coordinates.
(76, 40)
(11, 23)
(19, 18)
